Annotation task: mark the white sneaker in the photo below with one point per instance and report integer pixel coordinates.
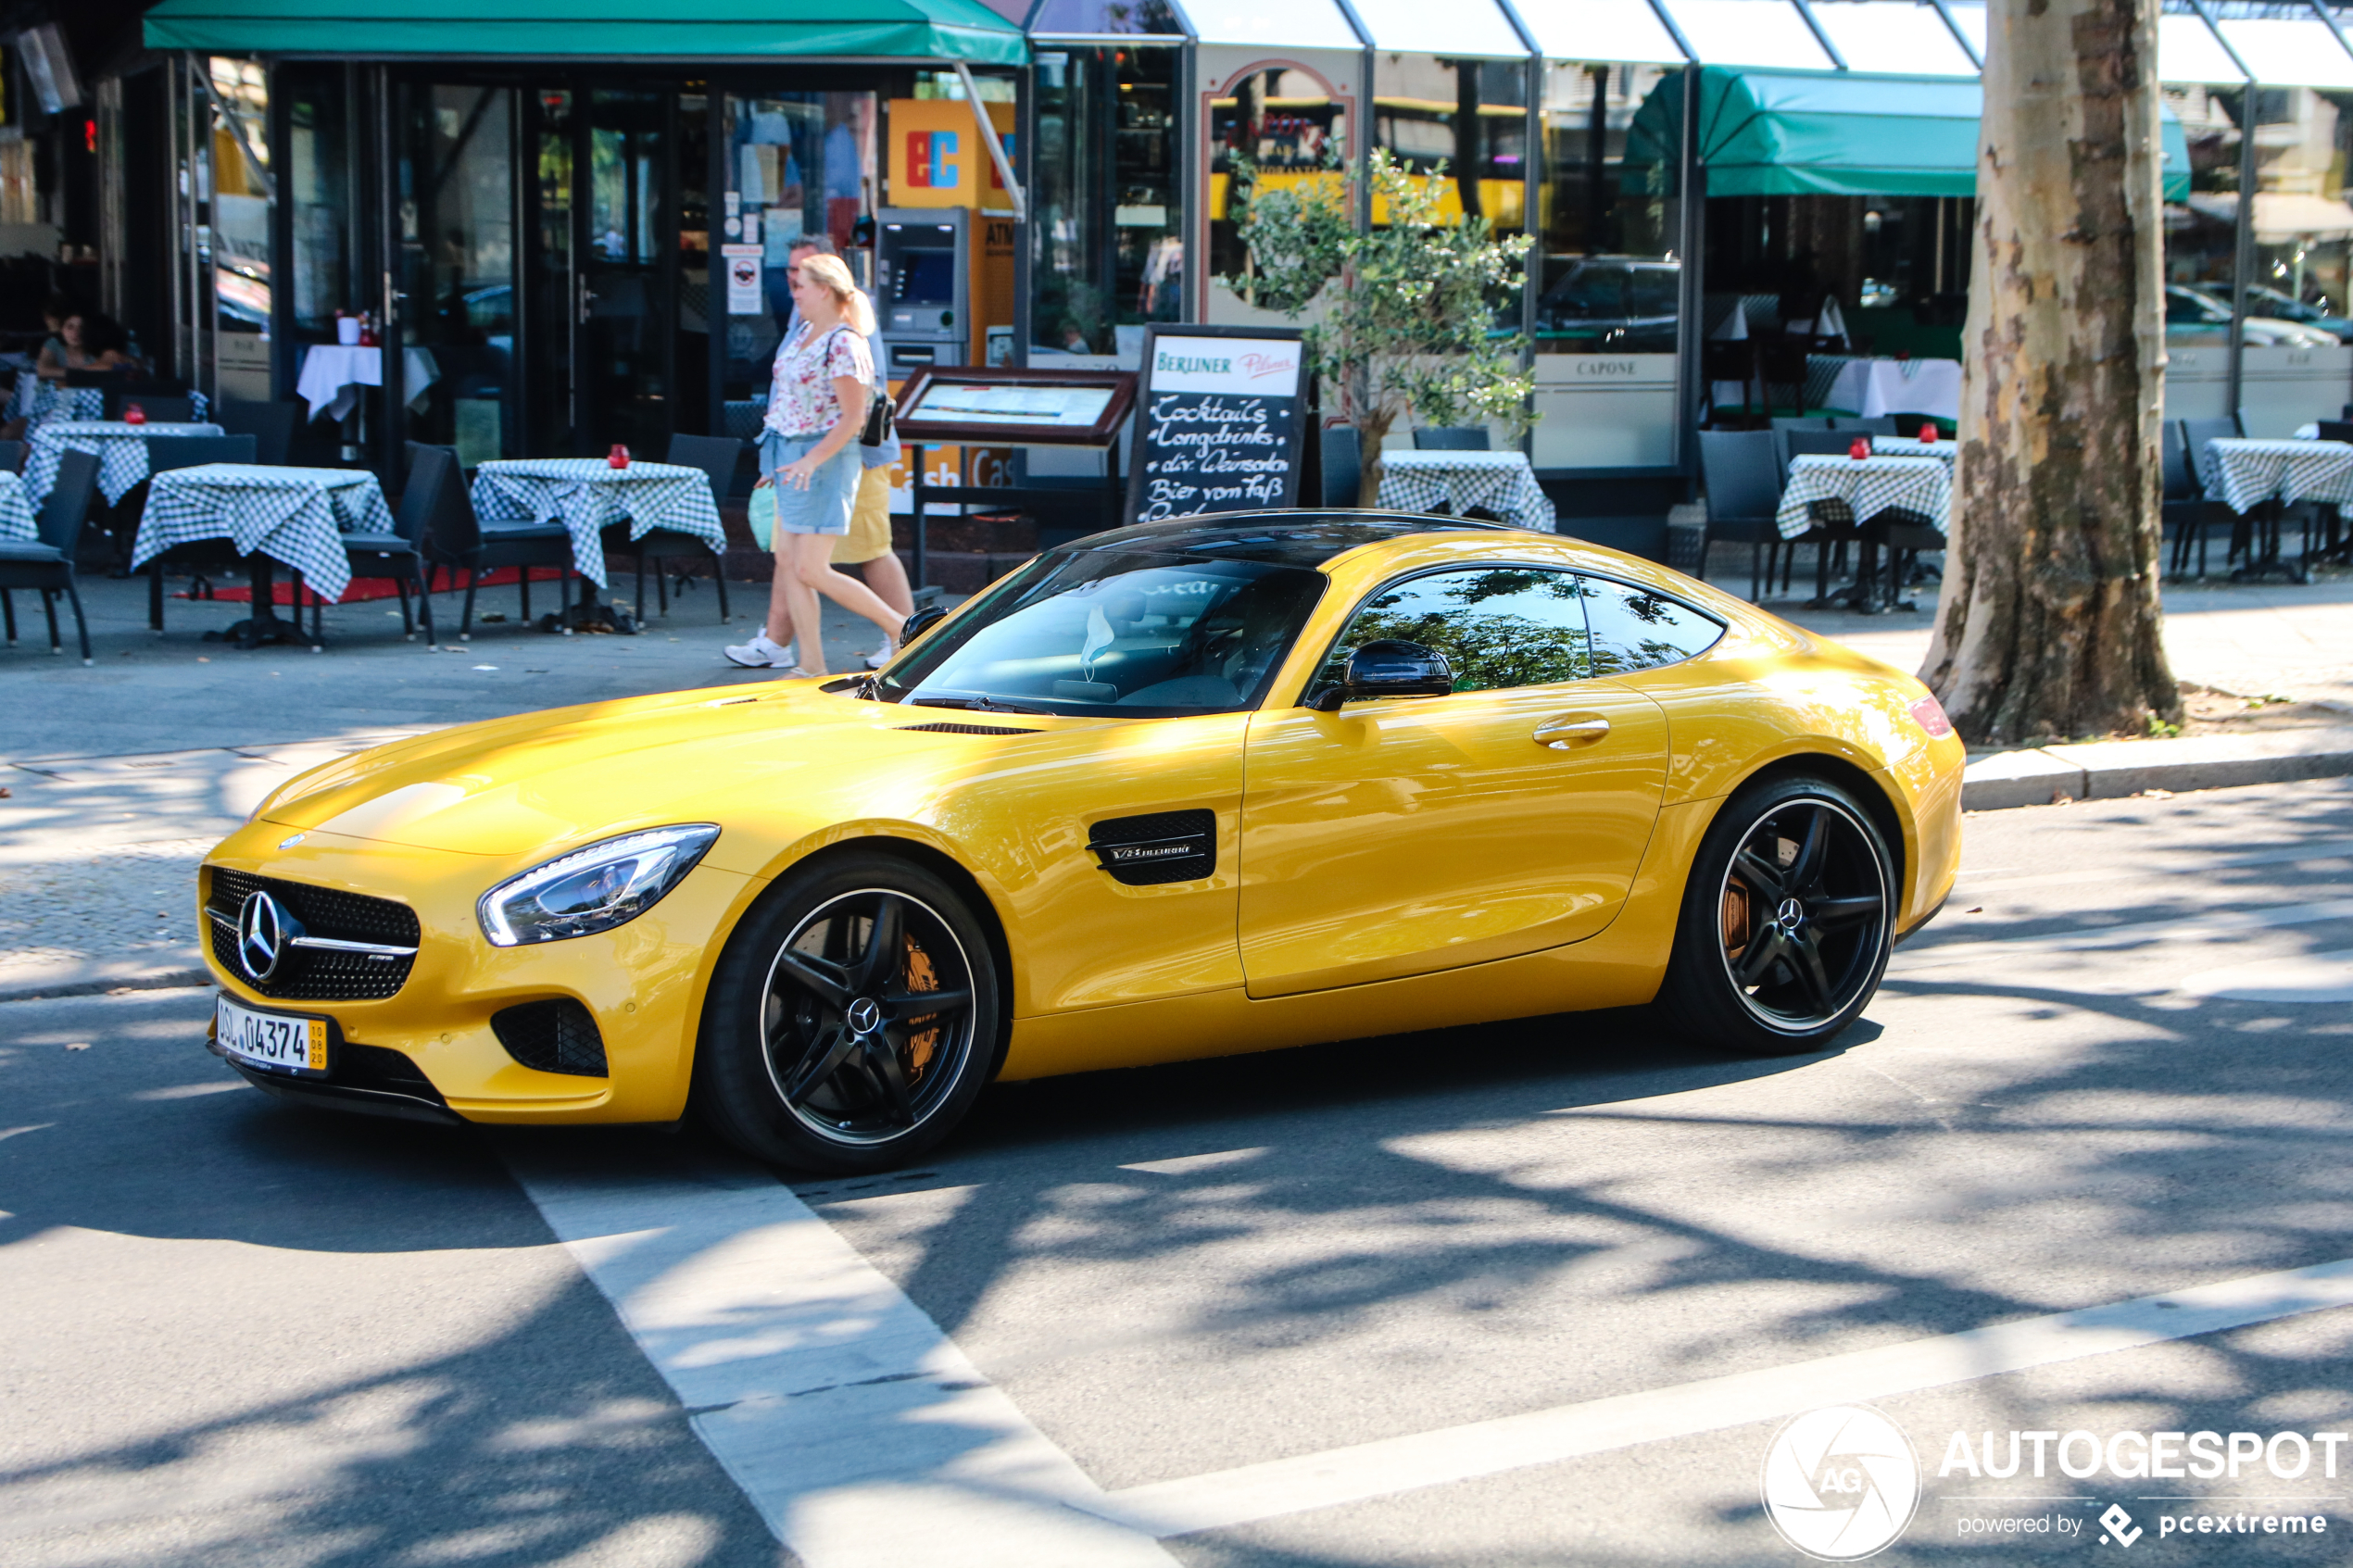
(760, 654)
(889, 651)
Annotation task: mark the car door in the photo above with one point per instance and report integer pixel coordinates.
(1412, 835)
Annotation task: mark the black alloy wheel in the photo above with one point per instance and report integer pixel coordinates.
(852, 1021)
(1787, 923)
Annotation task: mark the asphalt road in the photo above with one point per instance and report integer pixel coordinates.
(2115, 1070)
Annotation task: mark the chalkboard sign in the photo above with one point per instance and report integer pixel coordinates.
(1220, 417)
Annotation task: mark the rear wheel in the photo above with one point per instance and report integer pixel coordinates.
(852, 1021)
(1787, 921)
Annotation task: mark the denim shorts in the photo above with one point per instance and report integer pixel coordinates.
(825, 507)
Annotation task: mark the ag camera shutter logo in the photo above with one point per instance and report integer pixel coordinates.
(1841, 1484)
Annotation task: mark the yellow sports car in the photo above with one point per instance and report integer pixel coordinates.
(1178, 790)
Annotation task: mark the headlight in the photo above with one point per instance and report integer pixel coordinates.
(593, 889)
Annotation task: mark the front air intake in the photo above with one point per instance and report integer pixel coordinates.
(559, 1036)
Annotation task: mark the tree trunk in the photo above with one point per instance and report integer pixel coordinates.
(1372, 430)
(2049, 624)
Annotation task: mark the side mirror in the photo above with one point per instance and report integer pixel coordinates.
(923, 621)
(1387, 669)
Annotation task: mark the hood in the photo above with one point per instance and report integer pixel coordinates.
(513, 786)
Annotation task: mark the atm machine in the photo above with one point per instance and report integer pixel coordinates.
(923, 286)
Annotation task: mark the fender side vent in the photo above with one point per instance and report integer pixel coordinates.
(558, 1035)
(962, 730)
(1163, 847)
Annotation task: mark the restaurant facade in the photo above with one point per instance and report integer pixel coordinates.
(565, 220)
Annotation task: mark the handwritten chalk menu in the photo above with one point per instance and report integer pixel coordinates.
(1220, 419)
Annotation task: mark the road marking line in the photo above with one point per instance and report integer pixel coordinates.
(858, 1429)
(1185, 1164)
(1366, 1471)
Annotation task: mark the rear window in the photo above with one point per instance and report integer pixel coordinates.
(1633, 629)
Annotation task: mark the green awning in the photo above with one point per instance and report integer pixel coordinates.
(1838, 134)
(699, 29)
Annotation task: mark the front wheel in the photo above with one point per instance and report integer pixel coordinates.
(1787, 921)
(853, 1020)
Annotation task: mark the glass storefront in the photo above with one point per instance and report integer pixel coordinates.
(1470, 116)
(1291, 128)
(1108, 199)
(455, 211)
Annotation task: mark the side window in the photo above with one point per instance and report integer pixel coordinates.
(1634, 630)
(1498, 627)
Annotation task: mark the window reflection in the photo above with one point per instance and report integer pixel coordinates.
(1287, 123)
(1471, 116)
(1608, 215)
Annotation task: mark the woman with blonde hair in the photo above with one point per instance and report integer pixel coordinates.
(809, 450)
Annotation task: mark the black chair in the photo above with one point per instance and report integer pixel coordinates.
(203, 556)
(2337, 430)
(1877, 424)
(1344, 466)
(1729, 359)
(1909, 424)
(1829, 539)
(157, 408)
(1452, 438)
(2196, 434)
(1742, 472)
(1801, 421)
(271, 425)
(12, 455)
(2184, 514)
(1782, 363)
(457, 537)
(400, 555)
(717, 456)
(45, 564)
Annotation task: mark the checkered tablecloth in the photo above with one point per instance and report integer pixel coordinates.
(37, 400)
(121, 451)
(587, 496)
(17, 522)
(1500, 482)
(2243, 474)
(1905, 447)
(296, 516)
(1876, 484)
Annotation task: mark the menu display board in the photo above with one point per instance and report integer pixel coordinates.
(1221, 421)
(1002, 405)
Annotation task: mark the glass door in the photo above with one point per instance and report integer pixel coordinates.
(454, 249)
(624, 366)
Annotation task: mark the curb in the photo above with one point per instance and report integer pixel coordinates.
(2114, 770)
(173, 980)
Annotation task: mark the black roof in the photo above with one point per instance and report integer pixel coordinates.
(1285, 538)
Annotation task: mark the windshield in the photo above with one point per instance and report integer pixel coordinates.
(1135, 633)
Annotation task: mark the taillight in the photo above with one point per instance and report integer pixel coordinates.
(1928, 714)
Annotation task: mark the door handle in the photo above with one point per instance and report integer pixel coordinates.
(1562, 734)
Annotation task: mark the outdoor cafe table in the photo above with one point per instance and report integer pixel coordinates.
(293, 516)
(37, 400)
(1905, 447)
(1918, 486)
(18, 523)
(587, 496)
(120, 446)
(2245, 474)
(1874, 386)
(1500, 482)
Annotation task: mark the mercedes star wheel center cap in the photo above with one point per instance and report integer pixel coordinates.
(261, 934)
(864, 1015)
(1790, 916)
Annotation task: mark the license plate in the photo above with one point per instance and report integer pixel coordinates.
(281, 1042)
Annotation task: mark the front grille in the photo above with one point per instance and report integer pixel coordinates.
(964, 730)
(315, 973)
(559, 1036)
(1163, 847)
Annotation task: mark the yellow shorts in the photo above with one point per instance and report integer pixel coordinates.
(869, 536)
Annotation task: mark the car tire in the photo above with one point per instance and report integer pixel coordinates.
(1787, 921)
(820, 1047)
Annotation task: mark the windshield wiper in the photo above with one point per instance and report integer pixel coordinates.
(976, 704)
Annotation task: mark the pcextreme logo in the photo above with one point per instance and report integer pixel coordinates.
(1841, 1484)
